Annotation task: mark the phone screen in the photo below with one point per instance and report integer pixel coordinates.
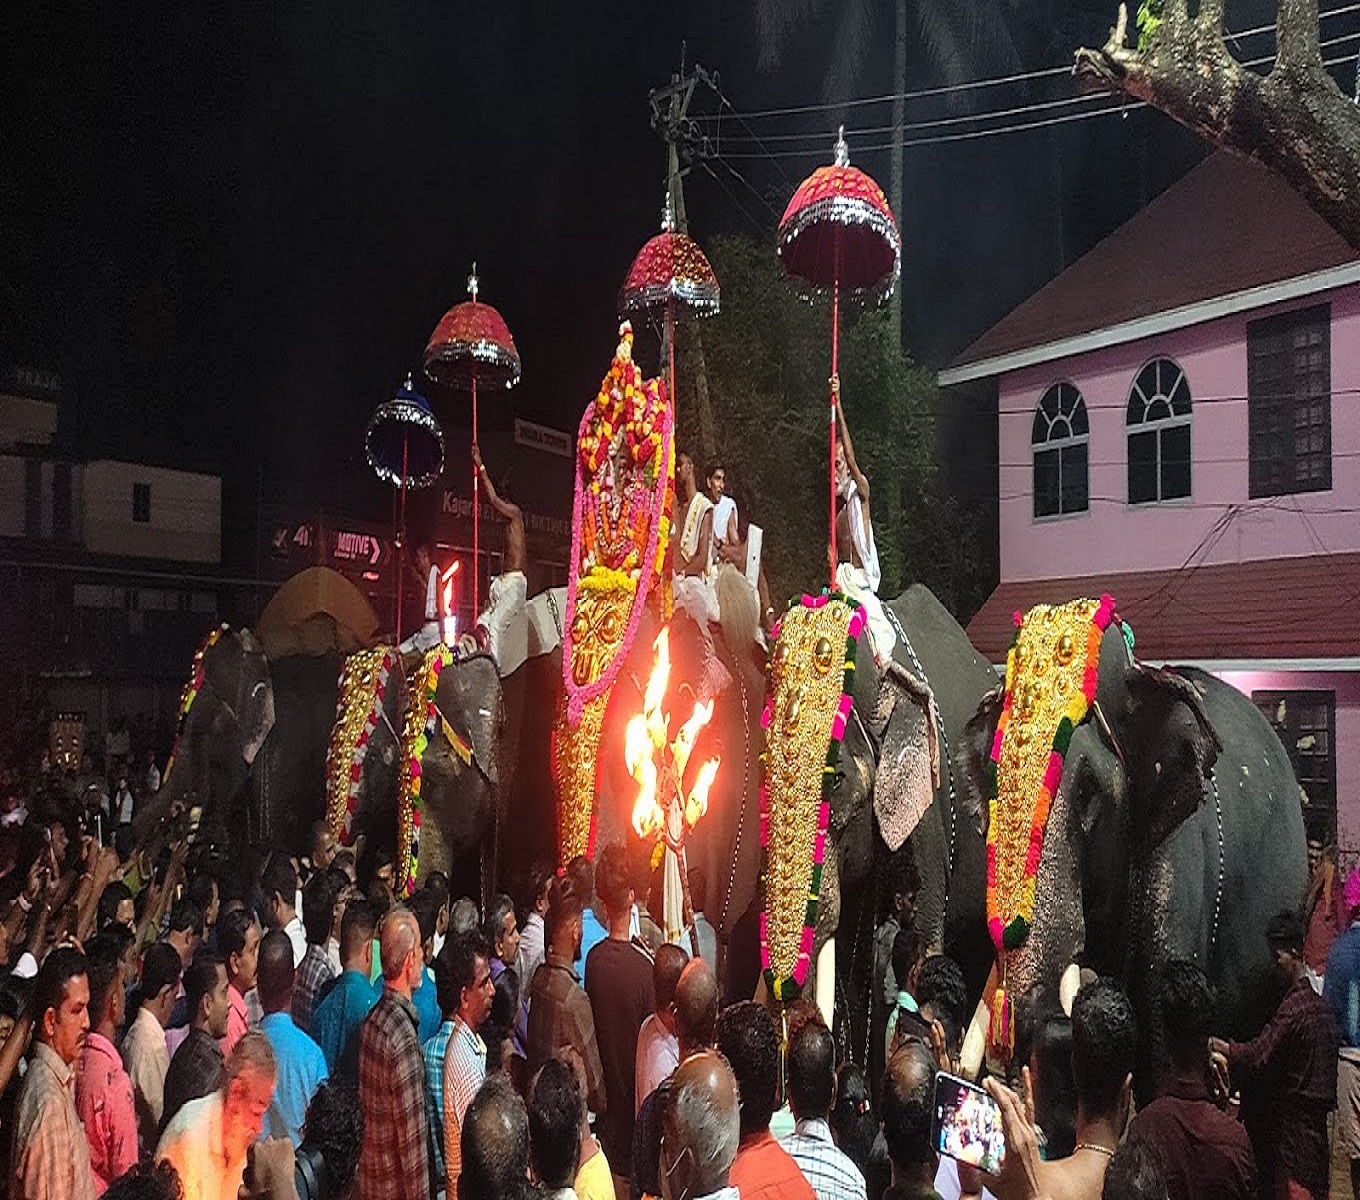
(967, 1124)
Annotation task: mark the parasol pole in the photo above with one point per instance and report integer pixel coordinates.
(835, 370)
(476, 477)
(401, 535)
(670, 345)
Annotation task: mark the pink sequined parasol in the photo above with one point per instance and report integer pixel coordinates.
(838, 233)
(471, 346)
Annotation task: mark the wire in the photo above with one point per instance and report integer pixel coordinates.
(1111, 105)
(1117, 106)
(982, 84)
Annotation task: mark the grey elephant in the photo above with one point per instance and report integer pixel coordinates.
(418, 765)
(226, 715)
(1174, 828)
(894, 790)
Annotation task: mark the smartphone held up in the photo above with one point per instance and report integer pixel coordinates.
(966, 1124)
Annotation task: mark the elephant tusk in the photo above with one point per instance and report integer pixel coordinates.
(1068, 987)
(975, 1041)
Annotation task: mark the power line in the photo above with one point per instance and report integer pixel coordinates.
(985, 83)
(1107, 105)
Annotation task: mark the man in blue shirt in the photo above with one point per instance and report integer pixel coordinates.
(300, 1065)
(1341, 989)
(581, 879)
(425, 906)
(341, 1011)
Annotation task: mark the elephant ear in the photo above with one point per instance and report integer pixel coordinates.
(475, 712)
(975, 757)
(903, 724)
(1171, 752)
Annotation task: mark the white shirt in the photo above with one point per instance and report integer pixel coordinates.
(298, 936)
(530, 950)
(192, 1143)
(724, 519)
(432, 595)
(658, 1054)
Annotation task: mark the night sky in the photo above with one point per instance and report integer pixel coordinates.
(231, 228)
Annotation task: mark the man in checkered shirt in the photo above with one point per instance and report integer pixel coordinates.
(394, 1163)
(811, 1084)
(315, 971)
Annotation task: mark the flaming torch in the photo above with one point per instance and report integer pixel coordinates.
(450, 623)
(664, 810)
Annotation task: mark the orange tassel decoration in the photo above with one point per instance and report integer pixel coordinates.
(1002, 1032)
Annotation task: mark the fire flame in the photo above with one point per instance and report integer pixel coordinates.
(645, 753)
(450, 623)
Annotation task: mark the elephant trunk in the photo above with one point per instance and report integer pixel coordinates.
(1057, 934)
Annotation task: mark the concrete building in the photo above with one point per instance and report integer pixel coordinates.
(109, 575)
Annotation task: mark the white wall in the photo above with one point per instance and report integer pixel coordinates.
(185, 519)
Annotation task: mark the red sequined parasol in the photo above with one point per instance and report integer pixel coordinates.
(670, 271)
(838, 233)
(471, 346)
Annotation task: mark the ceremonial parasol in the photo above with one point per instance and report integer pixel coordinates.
(669, 270)
(838, 233)
(472, 345)
(406, 448)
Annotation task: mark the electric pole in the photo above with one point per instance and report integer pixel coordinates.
(670, 118)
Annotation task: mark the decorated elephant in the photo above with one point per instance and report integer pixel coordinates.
(418, 764)
(724, 845)
(860, 768)
(1131, 815)
(226, 713)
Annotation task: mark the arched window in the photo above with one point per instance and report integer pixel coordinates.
(1059, 438)
(1159, 434)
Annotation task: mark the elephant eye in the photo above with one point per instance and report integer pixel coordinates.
(836, 780)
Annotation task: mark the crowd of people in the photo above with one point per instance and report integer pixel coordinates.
(178, 1023)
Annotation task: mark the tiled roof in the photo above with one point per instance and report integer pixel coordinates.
(1226, 227)
(1273, 609)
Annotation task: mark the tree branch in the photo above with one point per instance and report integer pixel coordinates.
(1295, 121)
(1296, 36)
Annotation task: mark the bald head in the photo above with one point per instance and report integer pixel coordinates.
(275, 974)
(701, 1124)
(400, 936)
(696, 1007)
(908, 1083)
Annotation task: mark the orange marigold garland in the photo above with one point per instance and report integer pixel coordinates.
(364, 681)
(1051, 677)
(422, 713)
(621, 527)
(190, 692)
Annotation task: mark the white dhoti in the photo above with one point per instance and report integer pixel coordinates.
(506, 622)
(854, 582)
(697, 595)
(425, 639)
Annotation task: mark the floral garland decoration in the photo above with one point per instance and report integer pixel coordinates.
(1052, 671)
(807, 698)
(630, 423)
(362, 693)
(192, 687)
(422, 714)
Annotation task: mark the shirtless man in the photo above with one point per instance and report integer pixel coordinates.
(693, 582)
(857, 569)
(504, 618)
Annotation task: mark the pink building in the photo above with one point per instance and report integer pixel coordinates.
(1180, 427)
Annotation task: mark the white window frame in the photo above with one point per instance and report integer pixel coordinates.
(1157, 425)
(1060, 443)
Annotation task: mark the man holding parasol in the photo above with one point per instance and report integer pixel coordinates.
(857, 571)
(504, 617)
